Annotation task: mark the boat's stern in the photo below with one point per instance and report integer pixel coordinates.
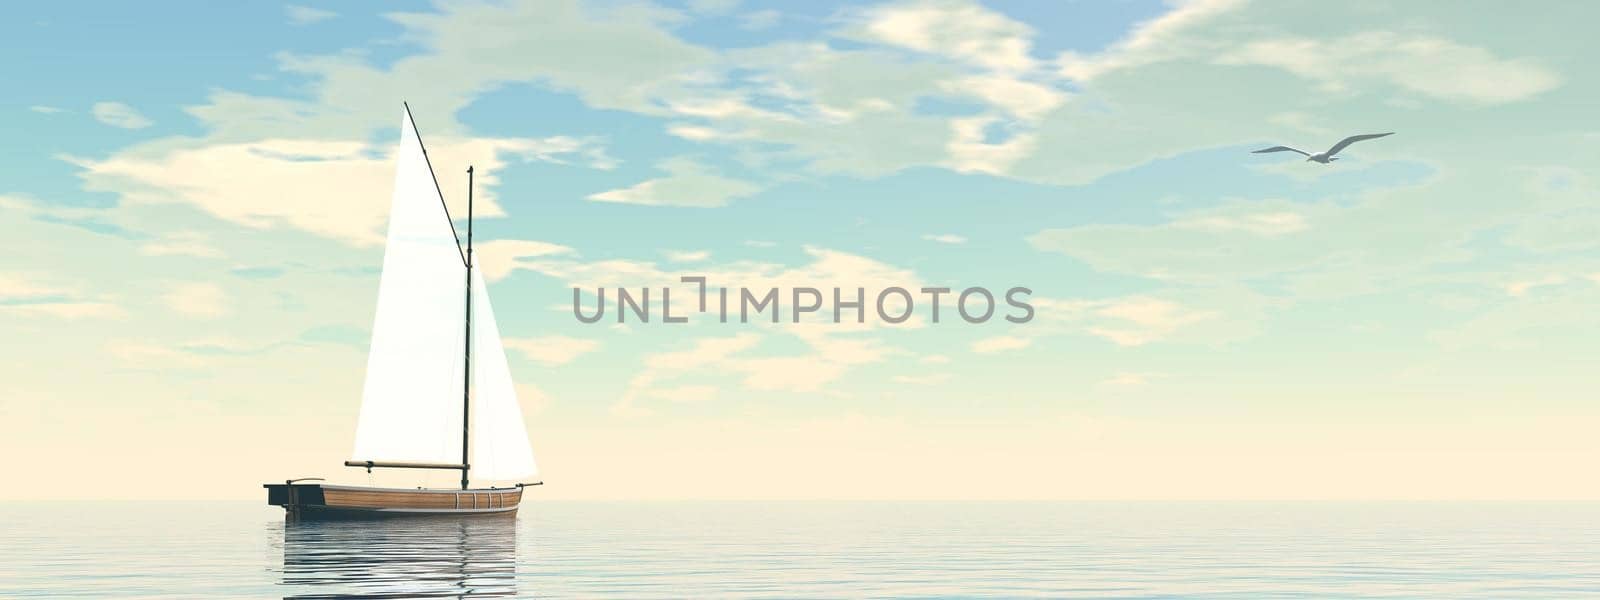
(295, 496)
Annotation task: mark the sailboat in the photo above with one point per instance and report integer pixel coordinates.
(438, 392)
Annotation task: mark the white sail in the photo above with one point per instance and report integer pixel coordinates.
(411, 404)
(500, 448)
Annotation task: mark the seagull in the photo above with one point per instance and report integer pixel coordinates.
(1325, 157)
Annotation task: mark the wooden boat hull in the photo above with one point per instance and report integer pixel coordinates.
(320, 501)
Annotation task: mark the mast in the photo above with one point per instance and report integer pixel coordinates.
(466, 385)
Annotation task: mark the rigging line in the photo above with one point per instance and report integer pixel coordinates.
(436, 188)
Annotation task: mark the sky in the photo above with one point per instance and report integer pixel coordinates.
(194, 199)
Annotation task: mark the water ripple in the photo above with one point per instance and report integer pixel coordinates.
(824, 549)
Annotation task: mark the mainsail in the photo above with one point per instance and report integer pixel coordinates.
(411, 405)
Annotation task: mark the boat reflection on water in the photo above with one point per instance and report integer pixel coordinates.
(417, 557)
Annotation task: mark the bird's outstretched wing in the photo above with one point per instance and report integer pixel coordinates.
(1280, 149)
(1353, 139)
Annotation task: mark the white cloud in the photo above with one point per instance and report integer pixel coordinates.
(1000, 343)
(687, 184)
(498, 258)
(945, 238)
(788, 373)
(335, 189)
(725, 108)
(969, 152)
(929, 379)
(181, 243)
(1142, 319)
(197, 299)
(1125, 321)
(117, 114)
(960, 30)
(551, 349)
(1223, 243)
(16, 287)
(1429, 65)
(305, 15)
(1153, 41)
(703, 353)
(46, 110)
(697, 133)
(1123, 337)
(32, 297)
(993, 54)
(1023, 99)
(1432, 66)
(1264, 223)
(614, 56)
(626, 57)
(1521, 288)
(687, 255)
(154, 355)
(65, 310)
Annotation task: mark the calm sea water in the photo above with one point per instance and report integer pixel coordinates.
(822, 549)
